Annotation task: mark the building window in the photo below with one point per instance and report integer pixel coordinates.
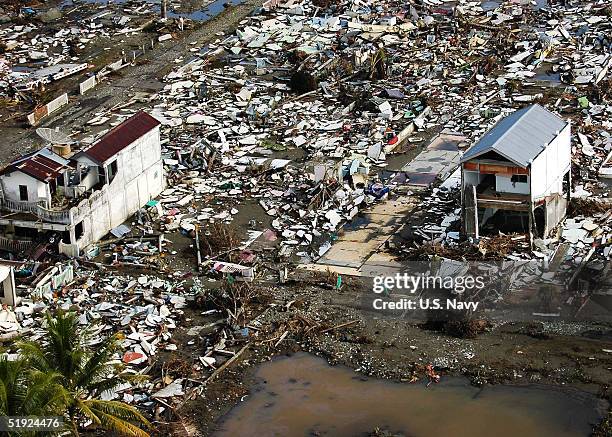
(23, 193)
(78, 231)
(519, 178)
(112, 171)
(101, 175)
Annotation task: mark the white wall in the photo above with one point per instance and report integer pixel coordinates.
(503, 184)
(471, 177)
(9, 296)
(37, 190)
(549, 167)
(140, 178)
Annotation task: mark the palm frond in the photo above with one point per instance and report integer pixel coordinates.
(28, 392)
(62, 343)
(35, 354)
(66, 369)
(107, 384)
(96, 367)
(45, 394)
(116, 416)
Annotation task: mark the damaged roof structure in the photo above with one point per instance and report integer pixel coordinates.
(120, 137)
(519, 137)
(43, 165)
(84, 197)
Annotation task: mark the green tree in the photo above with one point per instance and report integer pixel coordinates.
(28, 392)
(85, 372)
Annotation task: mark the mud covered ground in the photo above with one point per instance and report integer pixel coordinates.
(511, 353)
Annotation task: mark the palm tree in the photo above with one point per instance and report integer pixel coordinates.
(85, 373)
(28, 392)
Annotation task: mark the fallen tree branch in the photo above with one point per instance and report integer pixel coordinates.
(342, 325)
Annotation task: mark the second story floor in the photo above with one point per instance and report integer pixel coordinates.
(525, 156)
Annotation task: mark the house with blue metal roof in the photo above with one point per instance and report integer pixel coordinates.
(517, 176)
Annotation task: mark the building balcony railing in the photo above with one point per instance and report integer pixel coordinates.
(14, 245)
(53, 216)
(39, 209)
(490, 193)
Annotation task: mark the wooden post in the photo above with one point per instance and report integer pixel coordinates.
(164, 9)
(531, 224)
(462, 203)
(470, 215)
(569, 184)
(197, 241)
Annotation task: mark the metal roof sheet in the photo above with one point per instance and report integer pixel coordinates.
(519, 137)
(40, 167)
(121, 136)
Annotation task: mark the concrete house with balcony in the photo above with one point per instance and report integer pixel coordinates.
(81, 198)
(517, 176)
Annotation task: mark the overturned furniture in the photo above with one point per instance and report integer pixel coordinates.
(517, 176)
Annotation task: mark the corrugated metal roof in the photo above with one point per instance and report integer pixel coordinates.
(43, 165)
(519, 137)
(39, 167)
(121, 136)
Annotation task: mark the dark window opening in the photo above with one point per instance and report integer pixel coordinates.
(112, 172)
(519, 178)
(566, 183)
(60, 180)
(113, 167)
(504, 221)
(489, 181)
(22, 233)
(78, 231)
(540, 220)
(23, 193)
(101, 175)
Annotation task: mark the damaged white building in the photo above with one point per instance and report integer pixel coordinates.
(81, 198)
(517, 176)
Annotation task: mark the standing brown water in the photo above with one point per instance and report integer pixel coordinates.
(303, 395)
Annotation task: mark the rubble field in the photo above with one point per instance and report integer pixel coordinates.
(93, 39)
(309, 147)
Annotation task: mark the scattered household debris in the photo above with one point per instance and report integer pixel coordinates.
(269, 145)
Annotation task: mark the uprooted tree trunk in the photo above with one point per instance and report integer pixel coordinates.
(461, 324)
(234, 298)
(453, 322)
